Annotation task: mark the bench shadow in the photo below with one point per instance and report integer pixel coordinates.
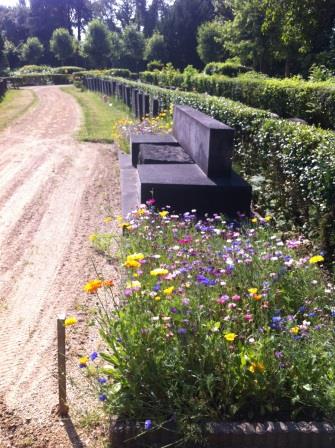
(72, 433)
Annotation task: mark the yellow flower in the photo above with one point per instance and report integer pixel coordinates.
(157, 298)
(130, 263)
(256, 367)
(70, 321)
(92, 237)
(92, 286)
(141, 211)
(107, 219)
(168, 291)
(83, 360)
(125, 226)
(252, 291)
(254, 220)
(163, 213)
(316, 259)
(134, 284)
(267, 218)
(230, 337)
(295, 330)
(159, 271)
(137, 256)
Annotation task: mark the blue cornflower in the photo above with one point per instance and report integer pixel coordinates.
(102, 380)
(93, 356)
(147, 425)
(102, 397)
(156, 287)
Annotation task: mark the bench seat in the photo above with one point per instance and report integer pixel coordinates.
(185, 187)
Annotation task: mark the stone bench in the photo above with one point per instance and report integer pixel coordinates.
(191, 169)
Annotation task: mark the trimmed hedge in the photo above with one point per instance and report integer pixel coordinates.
(291, 166)
(225, 68)
(39, 80)
(314, 102)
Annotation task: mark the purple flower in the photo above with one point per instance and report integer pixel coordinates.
(147, 425)
(93, 356)
(182, 330)
(279, 355)
(174, 310)
(102, 380)
(157, 287)
(185, 302)
(102, 397)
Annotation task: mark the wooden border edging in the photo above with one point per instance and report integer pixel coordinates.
(63, 407)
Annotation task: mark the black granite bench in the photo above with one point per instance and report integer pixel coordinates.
(191, 169)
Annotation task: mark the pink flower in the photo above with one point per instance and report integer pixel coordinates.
(248, 317)
(236, 298)
(232, 305)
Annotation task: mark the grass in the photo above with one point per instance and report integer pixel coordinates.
(99, 117)
(15, 104)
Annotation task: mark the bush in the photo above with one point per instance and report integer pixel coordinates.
(225, 68)
(3, 87)
(290, 97)
(32, 50)
(67, 70)
(155, 65)
(210, 46)
(294, 163)
(214, 322)
(29, 69)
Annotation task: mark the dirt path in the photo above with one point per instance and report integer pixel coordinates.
(53, 191)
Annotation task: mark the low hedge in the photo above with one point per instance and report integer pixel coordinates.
(39, 80)
(291, 166)
(314, 102)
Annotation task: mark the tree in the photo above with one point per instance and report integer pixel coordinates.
(3, 57)
(97, 45)
(116, 48)
(62, 45)
(12, 54)
(179, 27)
(32, 50)
(210, 42)
(155, 48)
(132, 48)
(80, 13)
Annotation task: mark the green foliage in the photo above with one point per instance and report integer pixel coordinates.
(155, 48)
(289, 97)
(225, 68)
(320, 73)
(217, 324)
(62, 44)
(133, 45)
(97, 45)
(31, 68)
(67, 69)
(32, 50)
(210, 42)
(297, 162)
(3, 56)
(155, 65)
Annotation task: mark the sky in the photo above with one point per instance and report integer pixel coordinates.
(8, 2)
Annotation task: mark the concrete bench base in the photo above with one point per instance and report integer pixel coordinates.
(152, 139)
(185, 187)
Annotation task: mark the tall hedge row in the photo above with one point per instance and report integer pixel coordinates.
(314, 102)
(292, 166)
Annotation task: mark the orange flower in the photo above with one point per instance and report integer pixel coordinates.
(92, 286)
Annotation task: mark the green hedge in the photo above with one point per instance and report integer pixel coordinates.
(225, 68)
(3, 88)
(314, 102)
(39, 80)
(291, 166)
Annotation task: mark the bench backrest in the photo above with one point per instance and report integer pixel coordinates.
(208, 141)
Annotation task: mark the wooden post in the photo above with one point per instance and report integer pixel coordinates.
(63, 408)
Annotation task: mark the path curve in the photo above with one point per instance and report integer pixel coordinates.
(52, 193)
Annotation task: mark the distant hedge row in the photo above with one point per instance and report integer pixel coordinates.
(39, 79)
(291, 166)
(314, 102)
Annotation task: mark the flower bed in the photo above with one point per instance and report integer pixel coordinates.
(216, 322)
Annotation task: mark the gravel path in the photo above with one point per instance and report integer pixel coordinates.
(53, 191)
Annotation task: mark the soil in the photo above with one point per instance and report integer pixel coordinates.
(54, 193)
